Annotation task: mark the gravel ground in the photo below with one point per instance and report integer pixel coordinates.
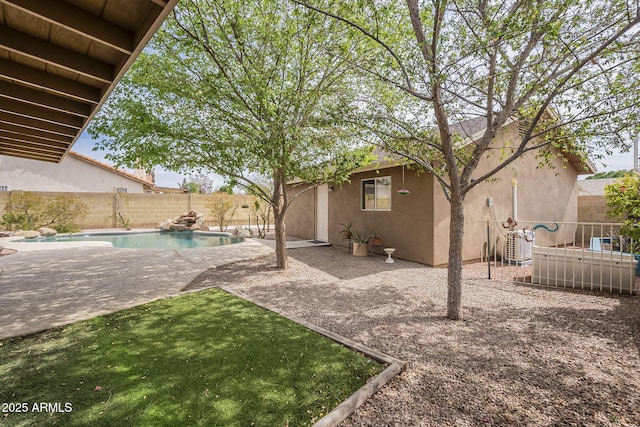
(522, 356)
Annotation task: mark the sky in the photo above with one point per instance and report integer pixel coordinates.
(615, 162)
(85, 144)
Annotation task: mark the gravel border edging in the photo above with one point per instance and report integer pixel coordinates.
(346, 408)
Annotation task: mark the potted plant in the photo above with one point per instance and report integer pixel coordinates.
(346, 232)
(375, 239)
(360, 244)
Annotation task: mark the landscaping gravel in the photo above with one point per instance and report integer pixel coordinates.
(522, 356)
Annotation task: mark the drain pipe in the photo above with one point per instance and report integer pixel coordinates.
(514, 198)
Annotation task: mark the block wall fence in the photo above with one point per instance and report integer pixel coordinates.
(141, 210)
(593, 209)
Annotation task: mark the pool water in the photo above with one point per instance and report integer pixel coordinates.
(153, 240)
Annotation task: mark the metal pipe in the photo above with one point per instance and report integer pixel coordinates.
(514, 192)
(489, 249)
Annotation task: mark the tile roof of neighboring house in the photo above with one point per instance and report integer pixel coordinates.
(111, 168)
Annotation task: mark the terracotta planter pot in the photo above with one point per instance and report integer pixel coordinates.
(360, 249)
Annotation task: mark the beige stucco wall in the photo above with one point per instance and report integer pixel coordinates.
(544, 196)
(70, 175)
(418, 223)
(301, 214)
(407, 227)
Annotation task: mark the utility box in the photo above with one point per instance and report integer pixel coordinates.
(516, 246)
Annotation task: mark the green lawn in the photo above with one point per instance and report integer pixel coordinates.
(206, 358)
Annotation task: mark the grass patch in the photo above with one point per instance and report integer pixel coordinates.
(207, 358)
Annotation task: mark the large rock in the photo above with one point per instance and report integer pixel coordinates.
(166, 225)
(241, 233)
(47, 232)
(30, 234)
(192, 220)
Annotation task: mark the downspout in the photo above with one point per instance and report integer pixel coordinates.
(514, 199)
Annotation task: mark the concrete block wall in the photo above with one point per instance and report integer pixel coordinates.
(593, 209)
(141, 210)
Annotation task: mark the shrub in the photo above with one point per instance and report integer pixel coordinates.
(623, 197)
(23, 211)
(62, 212)
(222, 207)
(28, 211)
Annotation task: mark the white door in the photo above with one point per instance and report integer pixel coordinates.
(322, 212)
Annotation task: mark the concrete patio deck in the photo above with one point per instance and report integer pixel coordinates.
(41, 289)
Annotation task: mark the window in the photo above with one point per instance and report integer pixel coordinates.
(121, 190)
(4, 188)
(376, 194)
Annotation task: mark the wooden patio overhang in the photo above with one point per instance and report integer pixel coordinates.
(59, 61)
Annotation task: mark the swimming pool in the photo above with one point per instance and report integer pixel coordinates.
(146, 240)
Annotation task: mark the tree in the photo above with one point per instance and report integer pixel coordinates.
(240, 89)
(564, 69)
(225, 189)
(610, 174)
(204, 182)
(191, 187)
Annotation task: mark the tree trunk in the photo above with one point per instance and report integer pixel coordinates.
(454, 277)
(279, 204)
(281, 240)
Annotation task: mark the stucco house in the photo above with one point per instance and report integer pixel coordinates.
(417, 224)
(75, 173)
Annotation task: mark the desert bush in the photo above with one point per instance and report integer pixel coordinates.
(29, 211)
(222, 208)
(623, 199)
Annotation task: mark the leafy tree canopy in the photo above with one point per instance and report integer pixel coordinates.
(564, 70)
(610, 174)
(242, 89)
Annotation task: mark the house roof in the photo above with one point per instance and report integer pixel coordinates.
(59, 61)
(472, 130)
(110, 168)
(594, 187)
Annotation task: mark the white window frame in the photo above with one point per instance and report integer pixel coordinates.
(375, 209)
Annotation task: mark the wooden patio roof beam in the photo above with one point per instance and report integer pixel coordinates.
(23, 132)
(42, 80)
(26, 140)
(63, 14)
(30, 123)
(48, 53)
(19, 148)
(43, 99)
(39, 113)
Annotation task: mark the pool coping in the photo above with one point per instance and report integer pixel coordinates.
(18, 243)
